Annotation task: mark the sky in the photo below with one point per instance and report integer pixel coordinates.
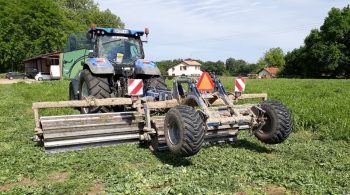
(219, 29)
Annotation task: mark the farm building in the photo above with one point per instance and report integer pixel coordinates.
(268, 72)
(69, 63)
(186, 67)
(42, 63)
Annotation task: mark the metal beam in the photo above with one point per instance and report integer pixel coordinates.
(88, 102)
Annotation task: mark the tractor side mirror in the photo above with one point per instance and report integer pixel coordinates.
(146, 33)
(90, 37)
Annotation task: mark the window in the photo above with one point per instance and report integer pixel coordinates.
(129, 48)
(183, 67)
(173, 69)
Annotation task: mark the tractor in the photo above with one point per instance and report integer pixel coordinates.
(116, 56)
(181, 119)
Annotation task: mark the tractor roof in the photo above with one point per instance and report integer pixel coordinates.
(117, 31)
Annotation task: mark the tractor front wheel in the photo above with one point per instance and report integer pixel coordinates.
(184, 131)
(278, 123)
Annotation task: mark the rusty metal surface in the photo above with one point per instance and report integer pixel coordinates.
(162, 104)
(89, 101)
(72, 132)
(83, 103)
(262, 96)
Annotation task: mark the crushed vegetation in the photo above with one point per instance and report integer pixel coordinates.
(314, 160)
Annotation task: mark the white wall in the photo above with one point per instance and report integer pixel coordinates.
(264, 73)
(178, 70)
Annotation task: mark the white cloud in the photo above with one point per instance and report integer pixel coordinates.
(218, 29)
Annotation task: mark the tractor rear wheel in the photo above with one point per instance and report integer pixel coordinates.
(95, 86)
(155, 83)
(71, 92)
(184, 130)
(278, 123)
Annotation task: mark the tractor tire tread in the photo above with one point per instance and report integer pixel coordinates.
(98, 87)
(156, 83)
(282, 122)
(193, 130)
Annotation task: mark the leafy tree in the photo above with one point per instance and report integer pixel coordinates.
(274, 57)
(294, 61)
(217, 67)
(326, 51)
(30, 28)
(84, 12)
(234, 67)
(239, 67)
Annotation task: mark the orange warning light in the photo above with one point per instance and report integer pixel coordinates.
(205, 82)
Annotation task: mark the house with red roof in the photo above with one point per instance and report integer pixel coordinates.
(268, 72)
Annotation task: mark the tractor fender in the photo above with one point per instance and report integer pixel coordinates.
(146, 67)
(191, 100)
(74, 89)
(99, 67)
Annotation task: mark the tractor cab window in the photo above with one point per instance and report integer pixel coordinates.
(78, 41)
(120, 49)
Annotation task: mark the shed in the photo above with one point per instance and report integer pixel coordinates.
(42, 63)
(268, 72)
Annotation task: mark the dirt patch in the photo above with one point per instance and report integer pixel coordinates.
(7, 81)
(271, 156)
(23, 182)
(138, 165)
(58, 177)
(98, 188)
(275, 190)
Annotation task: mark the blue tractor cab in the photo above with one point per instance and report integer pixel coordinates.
(116, 55)
(119, 51)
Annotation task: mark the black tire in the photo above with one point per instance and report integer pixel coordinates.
(155, 83)
(71, 92)
(96, 86)
(278, 124)
(183, 130)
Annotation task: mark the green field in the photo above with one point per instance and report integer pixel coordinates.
(314, 160)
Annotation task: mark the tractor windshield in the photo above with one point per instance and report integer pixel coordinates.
(120, 50)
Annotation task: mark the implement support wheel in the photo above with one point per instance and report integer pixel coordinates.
(184, 130)
(278, 123)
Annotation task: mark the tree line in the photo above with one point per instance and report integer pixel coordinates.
(274, 57)
(30, 28)
(326, 51)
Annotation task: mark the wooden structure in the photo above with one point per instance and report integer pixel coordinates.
(42, 63)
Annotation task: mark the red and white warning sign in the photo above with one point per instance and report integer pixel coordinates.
(135, 87)
(239, 85)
